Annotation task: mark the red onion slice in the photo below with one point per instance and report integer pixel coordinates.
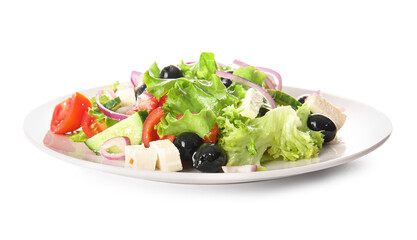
(240, 169)
(251, 84)
(276, 74)
(107, 112)
(111, 93)
(120, 142)
(268, 82)
(145, 96)
(136, 78)
(317, 92)
(240, 63)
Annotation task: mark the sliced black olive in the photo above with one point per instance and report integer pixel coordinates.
(319, 122)
(170, 71)
(209, 158)
(187, 143)
(140, 90)
(302, 98)
(227, 82)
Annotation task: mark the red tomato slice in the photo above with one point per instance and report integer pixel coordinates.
(178, 117)
(211, 137)
(149, 132)
(169, 137)
(162, 100)
(149, 104)
(90, 126)
(68, 114)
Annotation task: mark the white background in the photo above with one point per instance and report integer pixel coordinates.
(364, 50)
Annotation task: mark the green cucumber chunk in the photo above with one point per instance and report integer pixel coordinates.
(113, 104)
(130, 127)
(283, 99)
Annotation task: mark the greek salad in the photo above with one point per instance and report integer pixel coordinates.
(203, 115)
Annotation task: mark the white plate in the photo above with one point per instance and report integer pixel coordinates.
(365, 129)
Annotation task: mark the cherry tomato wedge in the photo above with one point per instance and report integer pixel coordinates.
(169, 137)
(149, 104)
(149, 132)
(162, 100)
(90, 125)
(211, 137)
(68, 114)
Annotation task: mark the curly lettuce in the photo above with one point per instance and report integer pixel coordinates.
(277, 135)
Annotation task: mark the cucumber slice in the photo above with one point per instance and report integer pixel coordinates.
(283, 99)
(113, 104)
(130, 127)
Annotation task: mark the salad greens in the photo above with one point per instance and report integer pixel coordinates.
(200, 89)
(200, 123)
(199, 100)
(205, 68)
(277, 134)
(112, 104)
(78, 136)
(251, 74)
(109, 103)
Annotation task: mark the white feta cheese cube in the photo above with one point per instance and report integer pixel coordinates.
(318, 104)
(127, 96)
(251, 103)
(168, 156)
(139, 157)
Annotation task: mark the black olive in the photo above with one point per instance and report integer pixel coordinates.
(170, 71)
(302, 98)
(319, 122)
(227, 82)
(140, 90)
(262, 111)
(187, 143)
(209, 157)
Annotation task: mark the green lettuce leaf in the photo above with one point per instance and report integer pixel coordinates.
(158, 86)
(154, 70)
(237, 138)
(200, 123)
(237, 90)
(200, 89)
(303, 112)
(288, 142)
(251, 74)
(185, 95)
(204, 68)
(216, 88)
